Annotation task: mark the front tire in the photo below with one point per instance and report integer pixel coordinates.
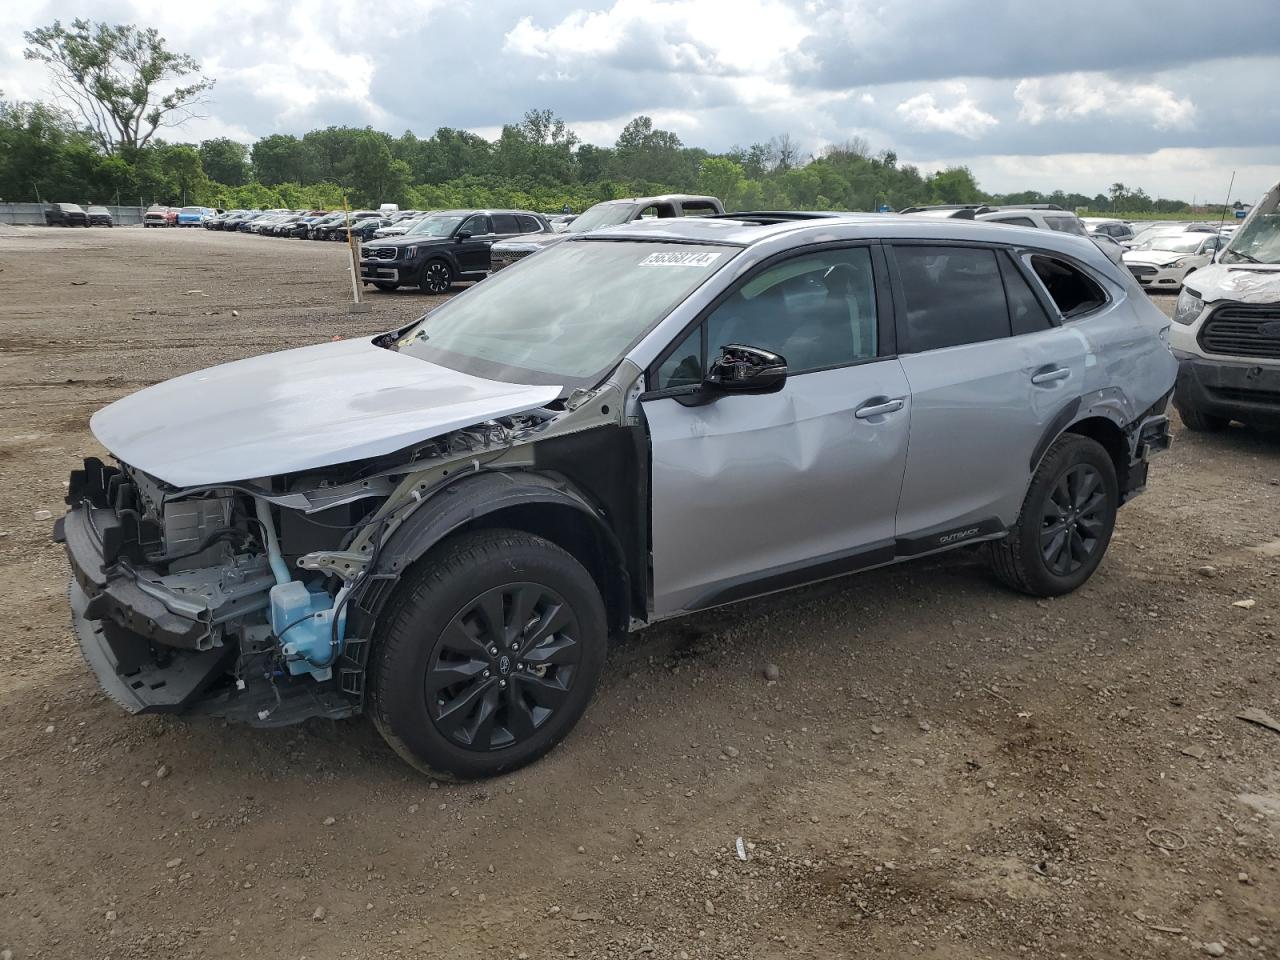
(437, 278)
(1066, 521)
(385, 285)
(492, 648)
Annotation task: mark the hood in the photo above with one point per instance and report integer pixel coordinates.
(418, 240)
(535, 241)
(1241, 282)
(1159, 258)
(298, 410)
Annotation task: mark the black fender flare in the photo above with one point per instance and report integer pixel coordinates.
(457, 505)
(445, 256)
(1053, 429)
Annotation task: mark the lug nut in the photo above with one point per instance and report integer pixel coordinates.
(493, 650)
(519, 666)
(485, 674)
(502, 683)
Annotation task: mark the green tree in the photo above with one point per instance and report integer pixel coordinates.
(954, 185)
(645, 154)
(124, 82)
(277, 159)
(374, 175)
(721, 177)
(225, 160)
(34, 143)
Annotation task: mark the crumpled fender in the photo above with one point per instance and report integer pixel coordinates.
(462, 502)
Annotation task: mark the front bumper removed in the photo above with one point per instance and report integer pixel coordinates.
(155, 649)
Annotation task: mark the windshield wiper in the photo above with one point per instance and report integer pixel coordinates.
(1244, 256)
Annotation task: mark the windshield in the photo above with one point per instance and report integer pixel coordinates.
(566, 316)
(602, 215)
(434, 227)
(193, 209)
(1257, 242)
(1172, 242)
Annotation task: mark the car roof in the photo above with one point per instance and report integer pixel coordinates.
(659, 198)
(850, 226)
(470, 210)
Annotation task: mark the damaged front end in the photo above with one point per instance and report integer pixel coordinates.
(184, 601)
(254, 600)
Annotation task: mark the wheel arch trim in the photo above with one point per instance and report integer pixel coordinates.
(486, 499)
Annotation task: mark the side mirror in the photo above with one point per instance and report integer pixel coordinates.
(744, 369)
(462, 235)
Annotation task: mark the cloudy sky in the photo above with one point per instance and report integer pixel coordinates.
(1169, 95)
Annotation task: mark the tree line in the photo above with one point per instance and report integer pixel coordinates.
(119, 86)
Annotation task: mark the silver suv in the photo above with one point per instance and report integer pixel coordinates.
(445, 525)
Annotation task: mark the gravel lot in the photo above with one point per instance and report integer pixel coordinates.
(942, 769)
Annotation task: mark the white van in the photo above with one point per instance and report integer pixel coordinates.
(1226, 328)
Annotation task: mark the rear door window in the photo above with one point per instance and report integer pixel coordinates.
(528, 224)
(505, 223)
(1026, 313)
(1071, 289)
(1016, 221)
(949, 296)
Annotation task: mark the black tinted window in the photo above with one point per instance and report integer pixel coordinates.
(1072, 291)
(953, 295)
(476, 226)
(1026, 314)
(817, 311)
(504, 223)
(528, 224)
(1017, 221)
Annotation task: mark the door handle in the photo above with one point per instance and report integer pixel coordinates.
(1051, 375)
(874, 408)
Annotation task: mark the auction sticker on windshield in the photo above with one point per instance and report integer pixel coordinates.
(679, 259)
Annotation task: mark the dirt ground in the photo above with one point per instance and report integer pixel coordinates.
(942, 769)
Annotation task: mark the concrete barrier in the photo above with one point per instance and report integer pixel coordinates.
(32, 214)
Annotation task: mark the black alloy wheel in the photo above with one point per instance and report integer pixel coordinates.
(436, 277)
(1066, 520)
(503, 667)
(487, 655)
(1073, 520)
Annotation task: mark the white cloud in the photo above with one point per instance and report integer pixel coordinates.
(964, 117)
(1077, 96)
(727, 37)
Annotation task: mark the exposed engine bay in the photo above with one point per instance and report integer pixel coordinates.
(235, 599)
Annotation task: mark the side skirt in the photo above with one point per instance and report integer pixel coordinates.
(866, 558)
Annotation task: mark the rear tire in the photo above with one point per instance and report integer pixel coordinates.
(385, 286)
(491, 650)
(1066, 521)
(1198, 421)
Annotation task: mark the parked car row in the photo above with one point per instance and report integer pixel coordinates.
(74, 215)
(315, 224)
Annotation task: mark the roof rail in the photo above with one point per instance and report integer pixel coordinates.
(766, 217)
(1027, 206)
(940, 206)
